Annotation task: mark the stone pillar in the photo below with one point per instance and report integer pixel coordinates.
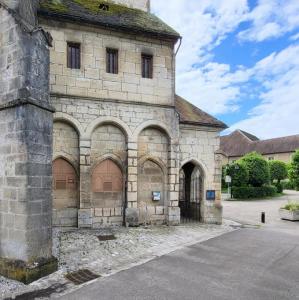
(174, 212)
(132, 212)
(26, 125)
(86, 212)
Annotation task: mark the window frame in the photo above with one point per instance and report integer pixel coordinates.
(147, 72)
(112, 63)
(74, 57)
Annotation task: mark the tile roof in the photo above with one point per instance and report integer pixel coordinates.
(119, 17)
(190, 114)
(239, 143)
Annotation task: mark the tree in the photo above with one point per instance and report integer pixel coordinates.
(278, 172)
(258, 169)
(238, 173)
(294, 171)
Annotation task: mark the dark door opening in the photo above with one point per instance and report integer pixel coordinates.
(191, 191)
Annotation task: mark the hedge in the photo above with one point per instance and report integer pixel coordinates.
(288, 185)
(254, 192)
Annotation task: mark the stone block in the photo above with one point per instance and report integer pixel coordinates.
(132, 217)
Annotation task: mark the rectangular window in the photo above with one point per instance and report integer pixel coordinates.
(112, 61)
(73, 56)
(147, 66)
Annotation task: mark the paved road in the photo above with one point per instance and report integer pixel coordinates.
(249, 212)
(246, 264)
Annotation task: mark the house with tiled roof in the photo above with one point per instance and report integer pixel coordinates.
(238, 143)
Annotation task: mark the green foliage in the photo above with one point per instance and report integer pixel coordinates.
(292, 206)
(294, 170)
(250, 192)
(258, 169)
(278, 170)
(288, 185)
(238, 173)
(55, 5)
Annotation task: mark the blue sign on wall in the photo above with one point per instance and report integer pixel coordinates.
(211, 195)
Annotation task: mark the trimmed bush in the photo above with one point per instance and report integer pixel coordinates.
(254, 192)
(258, 169)
(294, 171)
(238, 173)
(288, 185)
(278, 170)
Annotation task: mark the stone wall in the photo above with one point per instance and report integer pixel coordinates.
(66, 143)
(200, 145)
(111, 130)
(93, 81)
(26, 146)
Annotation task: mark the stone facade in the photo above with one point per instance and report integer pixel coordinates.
(92, 80)
(128, 123)
(119, 144)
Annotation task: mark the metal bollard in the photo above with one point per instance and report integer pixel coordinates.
(263, 217)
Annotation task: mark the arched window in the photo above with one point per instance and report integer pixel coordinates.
(107, 177)
(65, 185)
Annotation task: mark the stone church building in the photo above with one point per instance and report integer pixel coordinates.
(89, 117)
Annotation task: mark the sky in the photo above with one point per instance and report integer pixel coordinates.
(239, 61)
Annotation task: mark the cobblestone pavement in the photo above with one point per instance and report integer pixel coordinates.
(78, 249)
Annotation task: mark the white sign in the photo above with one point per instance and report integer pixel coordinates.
(228, 179)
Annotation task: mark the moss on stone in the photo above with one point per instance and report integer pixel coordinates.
(93, 6)
(55, 5)
(118, 16)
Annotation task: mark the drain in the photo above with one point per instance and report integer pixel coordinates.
(110, 237)
(44, 293)
(81, 276)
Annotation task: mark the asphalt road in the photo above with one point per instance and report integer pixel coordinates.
(246, 264)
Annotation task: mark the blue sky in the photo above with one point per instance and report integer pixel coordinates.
(239, 60)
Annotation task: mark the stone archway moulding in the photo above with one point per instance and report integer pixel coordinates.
(197, 163)
(70, 120)
(108, 120)
(155, 124)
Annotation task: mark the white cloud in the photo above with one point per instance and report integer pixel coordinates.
(271, 19)
(203, 25)
(217, 89)
(277, 114)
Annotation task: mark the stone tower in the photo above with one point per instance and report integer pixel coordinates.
(139, 4)
(25, 144)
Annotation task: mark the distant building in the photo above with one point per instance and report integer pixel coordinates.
(239, 143)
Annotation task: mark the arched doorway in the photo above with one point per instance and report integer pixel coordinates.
(108, 186)
(65, 193)
(191, 192)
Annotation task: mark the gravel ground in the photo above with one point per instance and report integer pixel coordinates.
(81, 249)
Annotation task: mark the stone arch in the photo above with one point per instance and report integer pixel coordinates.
(151, 178)
(109, 120)
(65, 193)
(154, 141)
(152, 124)
(66, 141)
(63, 117)
(191, 192)
(67, 158)
(198, 163)
(116, 159)
(107, 188)
(108, 140)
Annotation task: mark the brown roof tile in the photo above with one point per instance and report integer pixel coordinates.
(239, 143)
(190, 114)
